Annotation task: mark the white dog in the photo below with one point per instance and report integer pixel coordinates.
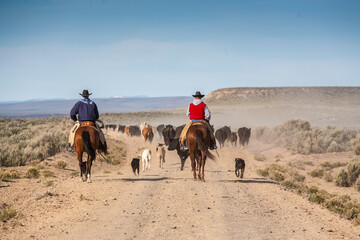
(146, 158)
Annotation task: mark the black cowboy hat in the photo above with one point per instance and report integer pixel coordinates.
(85, 93)
(198, 94)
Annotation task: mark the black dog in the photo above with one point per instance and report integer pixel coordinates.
(135, 165)
(239, 164)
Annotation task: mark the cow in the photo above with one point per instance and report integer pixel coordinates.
(175, 145)
(160, 150)
(160, 129)
(222, 134)
(244, 136)
(239, 165)
(146, 159)
(110, 126)
(135, 165)
(147, 132)
(233, 138)
(168, 134)
(121, 128)
(132, 131)
(178, 131)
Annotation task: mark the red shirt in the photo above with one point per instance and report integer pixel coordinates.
(197, 112)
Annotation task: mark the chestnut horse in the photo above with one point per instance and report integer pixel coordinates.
(198, 141)
(87, 140)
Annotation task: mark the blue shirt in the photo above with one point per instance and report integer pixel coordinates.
(86, 111)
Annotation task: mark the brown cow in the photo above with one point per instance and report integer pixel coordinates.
(147, 132)
(160, 150)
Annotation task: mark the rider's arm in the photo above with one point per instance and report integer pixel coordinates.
(188, 112)
(74, 111)
(96, 112)
(207, 113)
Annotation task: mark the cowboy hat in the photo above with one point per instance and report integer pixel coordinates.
(198, 94)
(85, 93)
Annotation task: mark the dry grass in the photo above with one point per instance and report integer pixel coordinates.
(47, 173)
(25, 140)
(299, 137)
(259, 158)
(9, 174)
(60, 164)
(32, 173)
(117, 153)
(6, 213)
(49, 183)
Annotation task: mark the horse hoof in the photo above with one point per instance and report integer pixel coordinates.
(202, 180)
(89, 181)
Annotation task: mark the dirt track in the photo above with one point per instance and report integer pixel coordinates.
(168, 204)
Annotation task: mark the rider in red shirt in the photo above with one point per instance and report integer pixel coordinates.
(198, 111)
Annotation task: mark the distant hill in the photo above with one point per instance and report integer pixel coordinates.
(297, 95)
(49, 108)
(322, 106)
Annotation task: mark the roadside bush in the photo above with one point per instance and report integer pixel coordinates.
(353, 170)
(357, 184)
(341, 179)
(298, 136)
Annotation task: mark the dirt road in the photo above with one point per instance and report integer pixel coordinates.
(168, 204)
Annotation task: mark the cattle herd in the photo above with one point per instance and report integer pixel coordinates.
(171, 134)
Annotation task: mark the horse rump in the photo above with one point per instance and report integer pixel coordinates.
(201, 143)
(85, 136)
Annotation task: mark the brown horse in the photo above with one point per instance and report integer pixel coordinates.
(198, 141)
(87, 140)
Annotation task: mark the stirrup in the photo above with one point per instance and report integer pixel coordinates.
(212, 147)
(184, 148)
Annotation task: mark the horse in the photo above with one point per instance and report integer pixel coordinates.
(87, 140)
(198, 141)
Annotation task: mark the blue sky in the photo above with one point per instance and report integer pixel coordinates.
(55, 49)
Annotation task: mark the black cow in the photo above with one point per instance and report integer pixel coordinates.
(239, 165)
(133, 131)
(168, 133)
(244, 136)
(160, 129)
(178, 131)
(110, 126)
(135, 165)
(222, 134)
(174, 144)
(121, 128)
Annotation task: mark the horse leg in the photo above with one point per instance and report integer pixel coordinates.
(88, 169)
(200, 163)
(193, 164)
(79, 155)
(203, 160)
(182, 163)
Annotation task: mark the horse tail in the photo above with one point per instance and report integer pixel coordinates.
(85, 136)
(202, 145)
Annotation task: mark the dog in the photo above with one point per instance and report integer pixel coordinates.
(146, 159)
(135, 164)
(239, 164)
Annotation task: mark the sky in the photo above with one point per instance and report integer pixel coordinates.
(55, 49)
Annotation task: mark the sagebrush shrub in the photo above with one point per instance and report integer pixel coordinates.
(341, 179)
